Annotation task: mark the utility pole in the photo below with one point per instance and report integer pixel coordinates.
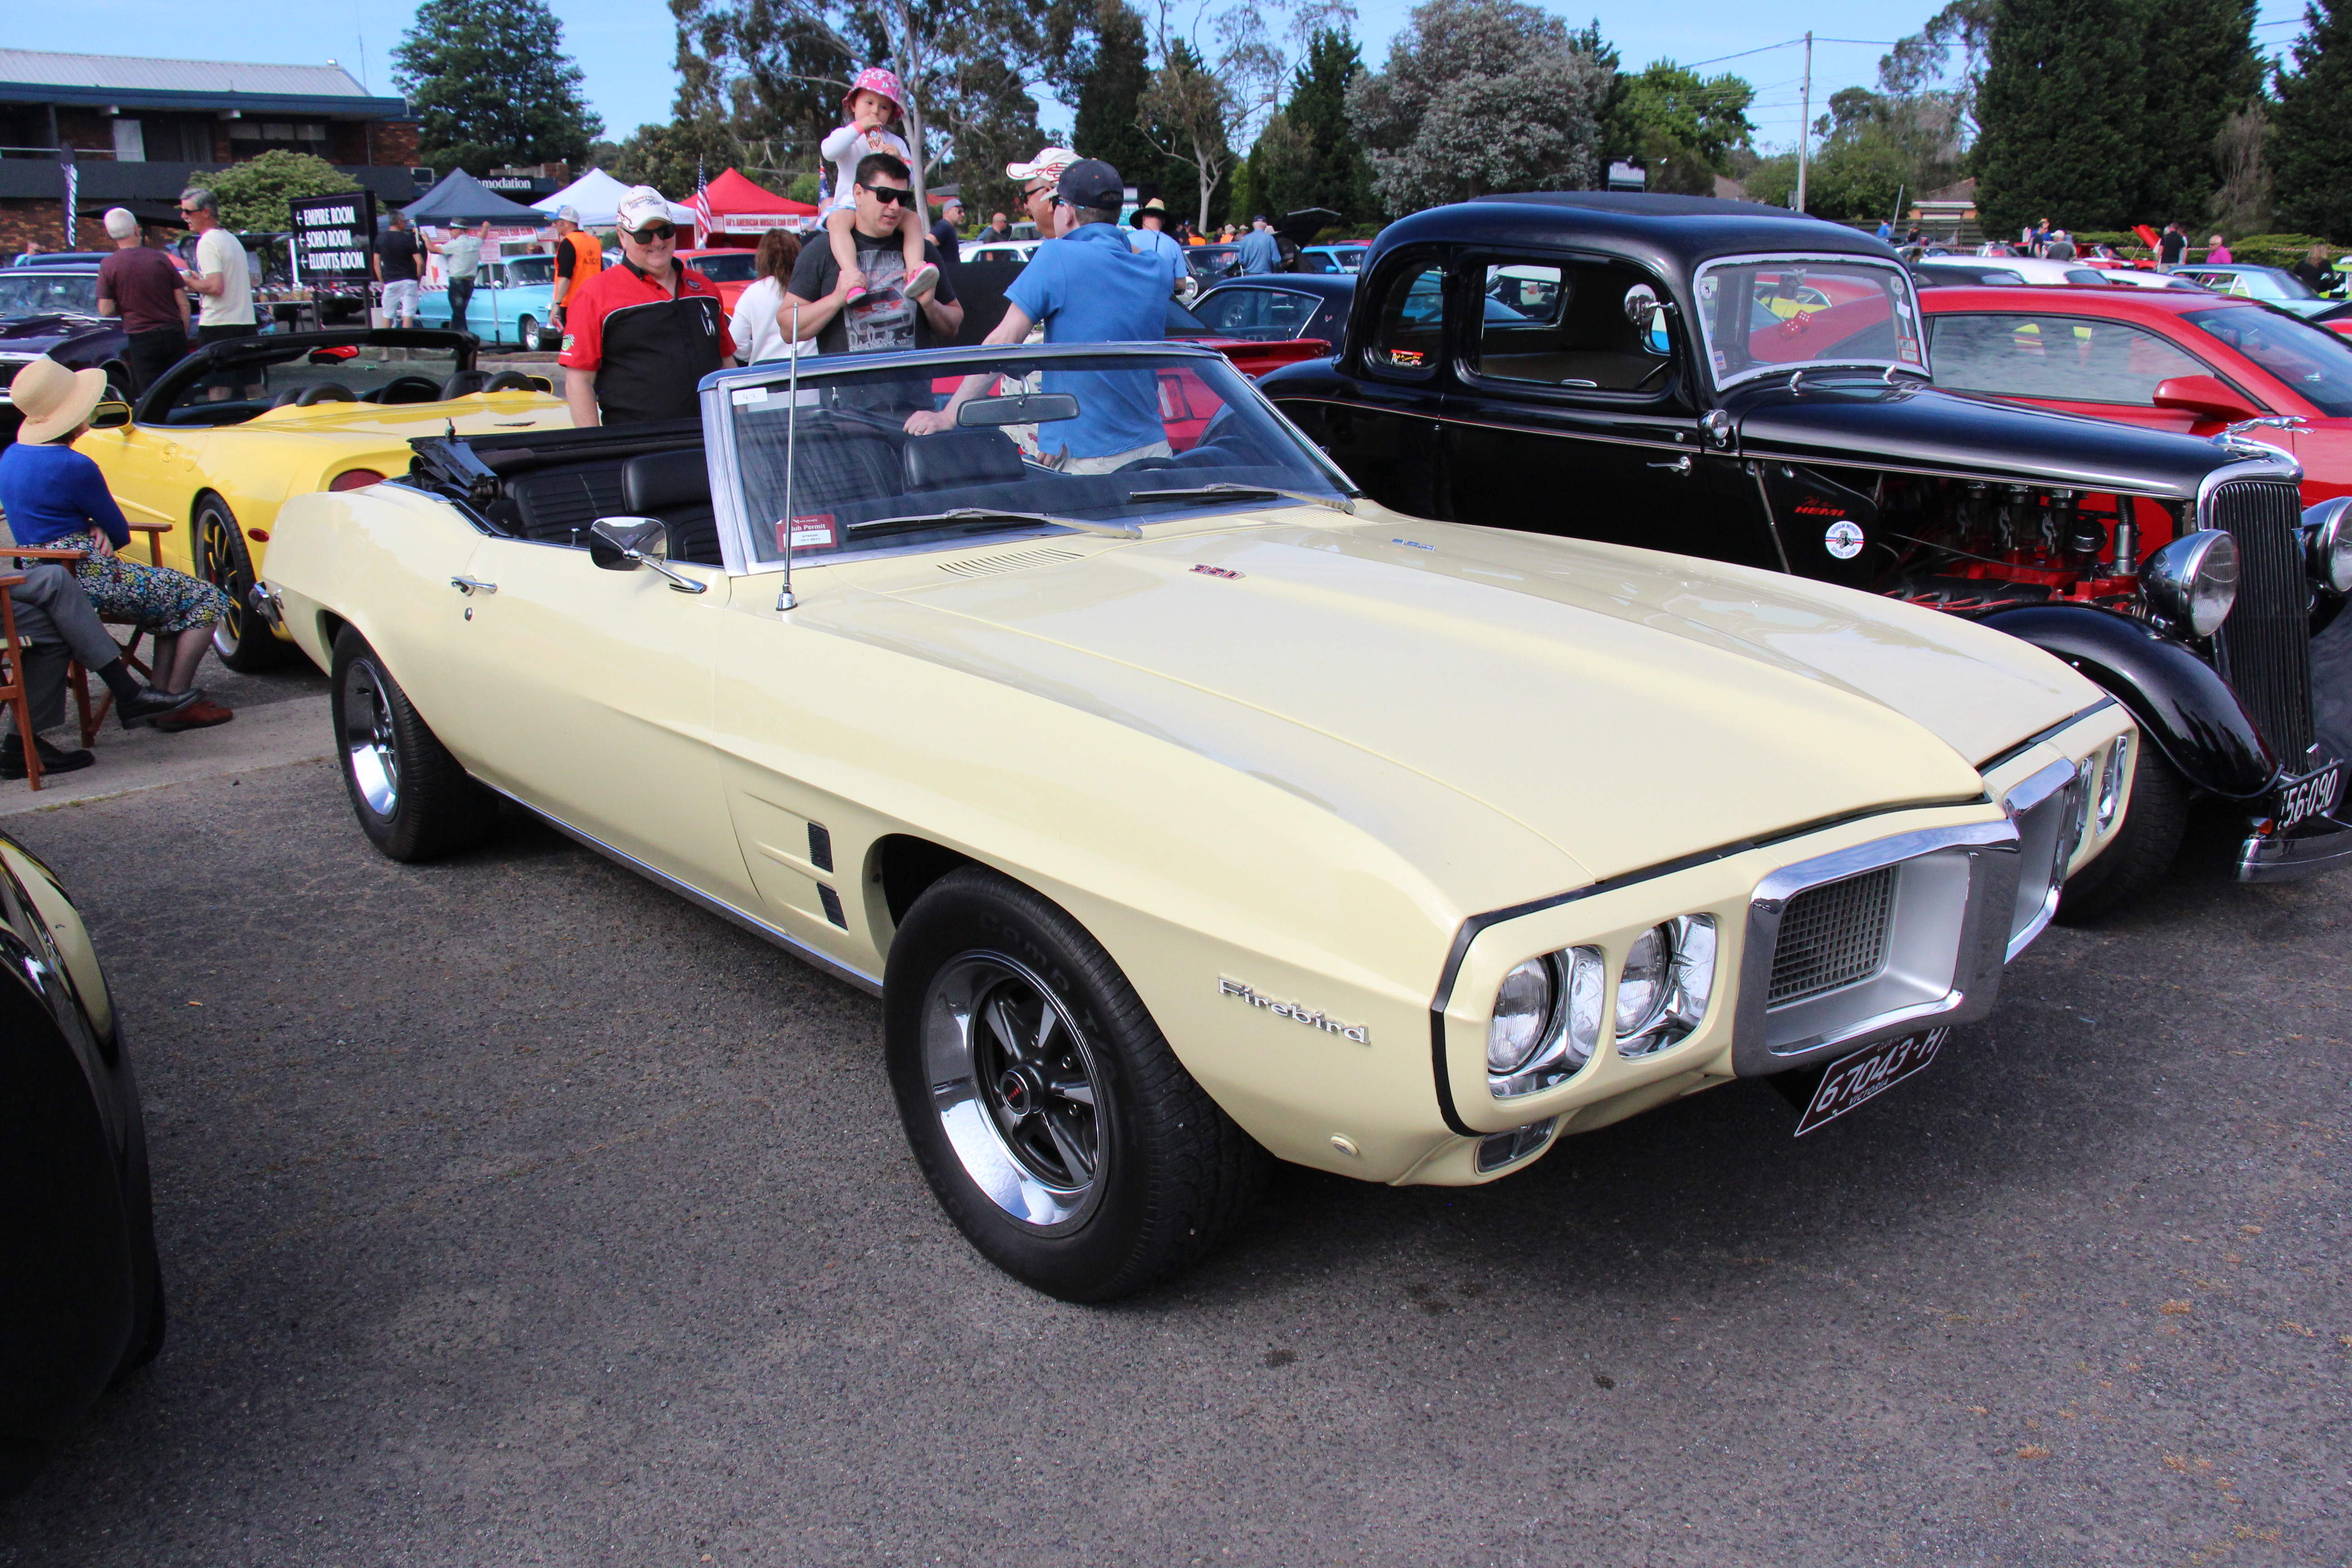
(1805, 125)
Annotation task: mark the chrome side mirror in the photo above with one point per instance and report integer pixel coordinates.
(626, 543)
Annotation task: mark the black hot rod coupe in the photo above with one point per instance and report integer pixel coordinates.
(1726, 380)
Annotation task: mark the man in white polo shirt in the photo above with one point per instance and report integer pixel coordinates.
(220, 274)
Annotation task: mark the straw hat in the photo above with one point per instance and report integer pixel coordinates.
(53, 399)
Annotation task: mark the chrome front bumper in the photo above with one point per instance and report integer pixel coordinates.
(2286, 857)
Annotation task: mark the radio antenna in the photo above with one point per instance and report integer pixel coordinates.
(785, 601)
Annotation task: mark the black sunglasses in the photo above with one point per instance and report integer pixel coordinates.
(654, 234)
(891, 195)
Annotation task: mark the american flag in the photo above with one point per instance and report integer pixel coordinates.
(704, 221)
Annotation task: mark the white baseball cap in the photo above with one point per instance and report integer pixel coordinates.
(642, 206)
(1047, 164)
(567, 215)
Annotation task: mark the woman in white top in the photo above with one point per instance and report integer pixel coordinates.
(758, 334)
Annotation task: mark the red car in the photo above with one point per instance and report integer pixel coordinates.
(2197, 364)
(729, 266)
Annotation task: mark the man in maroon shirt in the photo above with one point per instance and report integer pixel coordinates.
(143, 286)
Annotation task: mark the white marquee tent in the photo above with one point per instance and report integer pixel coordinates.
(598, 197)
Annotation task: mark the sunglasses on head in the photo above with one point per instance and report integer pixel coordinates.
(891, 195)
(652, 234)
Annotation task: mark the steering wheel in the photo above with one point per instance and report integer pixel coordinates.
(325, 392)
(511, 380)
(408, 388)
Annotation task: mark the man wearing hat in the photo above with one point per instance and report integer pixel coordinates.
(639, 337)
(1038, 179)
(1092, 288)
(141, 287)
(1151, 238)
(578, 257)
(944, 233)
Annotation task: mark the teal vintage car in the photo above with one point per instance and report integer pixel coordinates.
(511, 298)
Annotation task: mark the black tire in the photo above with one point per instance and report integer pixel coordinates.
(2155, 821)
(1145, 1180)
(241, 639)
(413, 799)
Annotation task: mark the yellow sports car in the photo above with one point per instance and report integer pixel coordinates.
(225, 436)
(1182, 805)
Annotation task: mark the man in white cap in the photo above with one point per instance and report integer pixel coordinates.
(142, 288)
(578, 257)
(639, 337)
(1038, 178)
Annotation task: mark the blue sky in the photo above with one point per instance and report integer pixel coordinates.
(624, 45)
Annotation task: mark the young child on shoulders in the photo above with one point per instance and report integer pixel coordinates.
(872, 105)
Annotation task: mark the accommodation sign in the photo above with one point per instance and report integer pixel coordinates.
(333, 237)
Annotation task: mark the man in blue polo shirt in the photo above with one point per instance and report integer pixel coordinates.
(1088, 286)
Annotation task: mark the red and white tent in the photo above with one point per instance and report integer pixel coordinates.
(731, 204)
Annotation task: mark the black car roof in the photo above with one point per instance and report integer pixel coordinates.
(1677, 233)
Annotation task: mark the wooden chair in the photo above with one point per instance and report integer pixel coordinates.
(94, 719)
(11, 692)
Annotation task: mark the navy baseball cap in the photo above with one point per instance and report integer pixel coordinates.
(1092, 183)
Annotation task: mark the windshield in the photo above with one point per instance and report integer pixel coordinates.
(2313, 361)
(727, 266)
(1776, 313)
(1116, 440)
(526, 269)
(44, 290)
(355, 373)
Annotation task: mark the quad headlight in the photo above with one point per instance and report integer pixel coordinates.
(2328, 543)
(2192, 582)
(1548, 1011)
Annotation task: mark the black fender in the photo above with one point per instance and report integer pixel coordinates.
(2183, 706)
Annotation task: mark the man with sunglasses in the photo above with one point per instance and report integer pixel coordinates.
(1040, 180)
(637, 338)
(883, 319)
(221, 277)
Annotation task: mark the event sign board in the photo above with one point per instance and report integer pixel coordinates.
(333, 237)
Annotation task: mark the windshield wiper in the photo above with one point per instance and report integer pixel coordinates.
(995, 514)
(1242, 492)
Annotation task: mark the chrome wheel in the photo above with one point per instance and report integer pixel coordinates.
(526, 335)
(1016, 1086)
(370, 750)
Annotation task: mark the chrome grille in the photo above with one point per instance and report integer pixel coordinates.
(2264, 646)
(1832, 935)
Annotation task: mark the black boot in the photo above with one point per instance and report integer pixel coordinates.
(12, 758)
(147, 706)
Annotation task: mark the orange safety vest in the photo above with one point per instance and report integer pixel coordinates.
(587, 258)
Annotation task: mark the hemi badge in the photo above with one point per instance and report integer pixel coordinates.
(1359, 1032)
(1217, 572)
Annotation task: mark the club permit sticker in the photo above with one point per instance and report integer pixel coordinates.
(814, 530)
(1844, 540)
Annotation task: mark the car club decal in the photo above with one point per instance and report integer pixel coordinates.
(1360, 1033)
(1844, 540)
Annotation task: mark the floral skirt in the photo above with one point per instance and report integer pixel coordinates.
(156, 597)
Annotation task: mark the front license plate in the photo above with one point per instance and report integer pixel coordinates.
(1867, 1074)
(2310, 796)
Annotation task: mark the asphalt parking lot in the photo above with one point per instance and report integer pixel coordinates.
(515, 1212)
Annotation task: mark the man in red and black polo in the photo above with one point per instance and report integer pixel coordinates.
(637, 337)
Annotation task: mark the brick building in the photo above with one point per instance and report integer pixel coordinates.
(141, 128)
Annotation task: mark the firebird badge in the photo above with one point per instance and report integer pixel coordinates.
(1359, 1032)
(1217, 572)
(1844, 540)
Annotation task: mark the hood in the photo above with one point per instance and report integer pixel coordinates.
(1860, 421)
(1629, 708)
(37, 334)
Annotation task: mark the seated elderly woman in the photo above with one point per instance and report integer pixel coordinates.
(55, 497)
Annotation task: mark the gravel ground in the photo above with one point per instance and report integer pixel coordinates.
(515, 1212)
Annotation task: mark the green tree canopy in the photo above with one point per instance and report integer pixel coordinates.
(2200, 67)
(2310, 154)
(1480, 96)
(491, 85)
(1682, 128)
(2060, 104)
(252, 194)
(1111, 70)
(1308, 156)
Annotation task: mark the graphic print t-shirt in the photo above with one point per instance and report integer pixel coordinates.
(883, 319)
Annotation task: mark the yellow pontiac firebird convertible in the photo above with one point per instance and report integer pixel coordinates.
(1182, 807)
(223, 437)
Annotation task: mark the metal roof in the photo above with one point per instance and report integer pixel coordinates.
(39, 76)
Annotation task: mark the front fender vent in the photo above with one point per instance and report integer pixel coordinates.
(1011, 561)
